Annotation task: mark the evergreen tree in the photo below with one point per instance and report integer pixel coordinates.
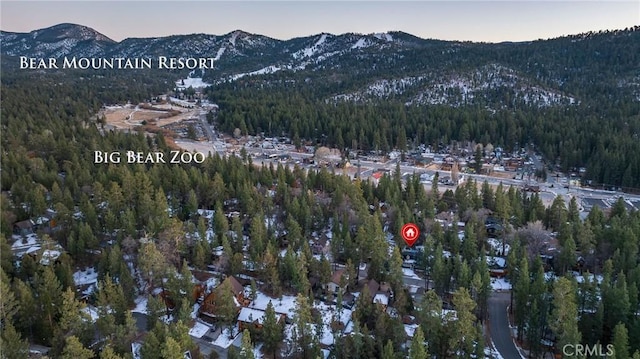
(73, 349)
(387, 352)
(621, 342)
(304, 340)
(246, 349)
(225, 306)
(418, 349)
(171, 349)
(564, 317)
(151, 348)
(272, 331)
(108, 353)
(11, 344)
(464, 334)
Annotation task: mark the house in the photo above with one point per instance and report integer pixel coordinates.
(208, 306)
(376, 176)
(250, 318)
(24, 228)
(337, 283)
(380, 294)
(497, 266)
(320, 246)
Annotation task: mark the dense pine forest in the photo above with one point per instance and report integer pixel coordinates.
(139, 225)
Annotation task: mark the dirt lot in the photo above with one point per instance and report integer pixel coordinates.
(128, 117)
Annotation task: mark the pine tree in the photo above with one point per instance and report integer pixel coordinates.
(151, 347)
(11, 344)
(225, 306)
(521, 294)
(246, 349)
(464, 330)
(108, 353)
(620, 342)
(9, 306)
(49, 300)
(171, 349)
(564, 317)
(73, 349)
(418, 349)
(304, 339)
(387, 352)
(272, 333)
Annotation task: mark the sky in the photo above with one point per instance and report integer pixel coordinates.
(474, 20)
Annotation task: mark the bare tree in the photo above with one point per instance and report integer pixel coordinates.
(534, 238)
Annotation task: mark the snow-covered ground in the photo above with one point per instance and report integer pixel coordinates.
(141, 305)
(24, 241)
(496, 246)
(194, 82)
(499, 284)
(580, 278)
(92, 312)
(361, 43)
(266, 70)
(492, 353)
(309, 51)
(410, 273)
(330, 313)
(87, 276)
(219, 53)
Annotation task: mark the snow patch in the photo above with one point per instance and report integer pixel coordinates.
(500, 284)
(141, 305)
(361, 43)
(194, 82)
(219, 53)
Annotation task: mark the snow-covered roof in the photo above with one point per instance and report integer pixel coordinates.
(249, 315)
(87, 276)
(49, 255)
(497, 261)
(284, 305)
(381, 298)
(410, 329)
(198, 330)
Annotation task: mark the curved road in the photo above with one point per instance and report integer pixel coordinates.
(499, 325)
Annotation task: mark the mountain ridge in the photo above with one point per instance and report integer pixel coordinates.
(369, 67)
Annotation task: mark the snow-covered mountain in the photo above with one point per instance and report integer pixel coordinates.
(370, 67)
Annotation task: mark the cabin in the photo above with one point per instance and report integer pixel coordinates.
(380, 294)
(208, 307)
(334, 286)
(253, 319)
(24, 228)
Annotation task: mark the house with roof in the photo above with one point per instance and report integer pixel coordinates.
(376, 176)
(208, 307)
(338, 282)
(24, 228)
(380, 294)
(251, 318)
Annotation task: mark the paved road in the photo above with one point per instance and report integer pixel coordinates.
(207, 127)
(499, 325)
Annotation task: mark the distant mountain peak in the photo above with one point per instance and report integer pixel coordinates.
(69, 30)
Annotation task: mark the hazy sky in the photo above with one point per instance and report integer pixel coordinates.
(490, 21)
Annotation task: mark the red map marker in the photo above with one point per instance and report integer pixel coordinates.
(410, 234)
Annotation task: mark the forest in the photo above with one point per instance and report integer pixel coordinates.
(139, 225)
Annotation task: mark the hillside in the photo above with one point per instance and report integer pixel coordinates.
(571, 97)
